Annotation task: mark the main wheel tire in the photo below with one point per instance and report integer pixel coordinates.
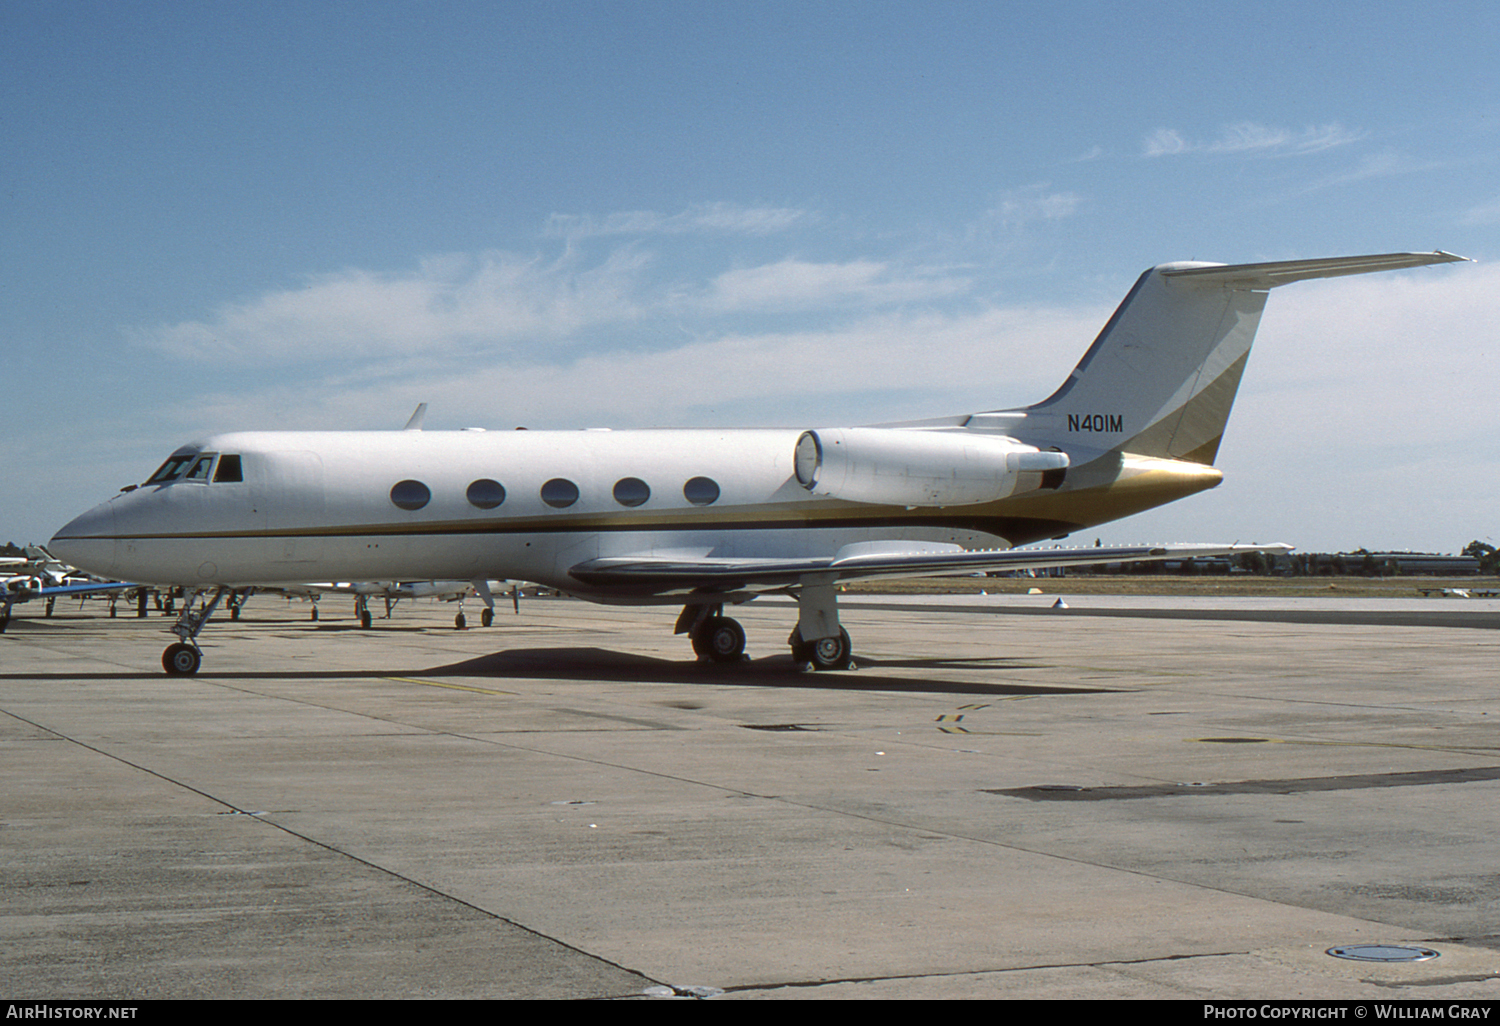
(181, 660)
(366, 620)
(460, 622)
(721, 639)
(825, 653)
(486, 617)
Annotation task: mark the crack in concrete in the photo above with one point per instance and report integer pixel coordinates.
(795, 984)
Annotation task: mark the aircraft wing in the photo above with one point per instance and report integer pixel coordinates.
(15, 592)
(25, 594)
(657, 574)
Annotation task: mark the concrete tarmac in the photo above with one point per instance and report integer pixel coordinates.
(1001, 801)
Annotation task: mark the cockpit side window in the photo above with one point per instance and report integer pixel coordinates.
(201, 468)
(172, 469)
(230, 468)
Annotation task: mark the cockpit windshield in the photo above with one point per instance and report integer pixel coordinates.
(199, 467)
(172, 469)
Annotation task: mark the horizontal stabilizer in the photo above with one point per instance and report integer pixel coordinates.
(1283, 272)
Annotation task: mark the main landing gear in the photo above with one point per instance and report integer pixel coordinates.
(825, 653)
(817, 641)
(714, 635)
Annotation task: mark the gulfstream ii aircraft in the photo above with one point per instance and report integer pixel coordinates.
(711, 518)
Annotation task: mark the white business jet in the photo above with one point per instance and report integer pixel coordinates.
(712, 518)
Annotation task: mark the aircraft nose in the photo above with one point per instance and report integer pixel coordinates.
(88, 541)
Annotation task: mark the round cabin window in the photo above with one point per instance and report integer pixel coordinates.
(701, 491)
(410, 494)
(559, 493)
(486, 494)
(632, 491)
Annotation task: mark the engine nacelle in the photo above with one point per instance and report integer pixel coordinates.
(906, 467)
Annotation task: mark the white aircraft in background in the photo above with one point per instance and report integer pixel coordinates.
(41, 575)
(394, 591)
(710, 518)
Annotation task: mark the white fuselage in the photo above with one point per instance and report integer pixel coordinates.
(410, 505)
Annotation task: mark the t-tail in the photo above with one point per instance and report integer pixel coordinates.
(1161, 377)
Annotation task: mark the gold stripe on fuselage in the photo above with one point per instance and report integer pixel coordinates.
(1115, 485)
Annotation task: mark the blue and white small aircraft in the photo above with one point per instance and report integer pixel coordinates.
(710, 518)
(40, 575)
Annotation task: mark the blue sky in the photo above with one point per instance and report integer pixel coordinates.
(227, 216)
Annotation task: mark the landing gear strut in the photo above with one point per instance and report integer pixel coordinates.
(482, 589)
(184, 658)
(818, 639)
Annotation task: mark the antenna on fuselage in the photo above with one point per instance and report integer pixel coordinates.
(415, 424)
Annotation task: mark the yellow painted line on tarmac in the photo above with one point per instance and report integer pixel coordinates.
(450, 687)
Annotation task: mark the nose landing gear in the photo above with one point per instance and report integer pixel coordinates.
(184, 658)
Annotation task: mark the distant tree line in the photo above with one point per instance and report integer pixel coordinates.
(1488, 556)
(1477, 558)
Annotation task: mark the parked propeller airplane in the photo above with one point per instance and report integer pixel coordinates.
(709, 518)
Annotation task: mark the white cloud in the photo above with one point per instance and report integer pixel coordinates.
(1384, 164)
(798, 284)
(1019, 207)
(1165, 142)
(1252, 138)
(1395, 361)
(500, 301)
(968, 360)
(702, 218)
(494, 297)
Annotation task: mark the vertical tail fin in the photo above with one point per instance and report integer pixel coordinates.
(1161, 377)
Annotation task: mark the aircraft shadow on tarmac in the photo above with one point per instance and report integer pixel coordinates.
(597, 664)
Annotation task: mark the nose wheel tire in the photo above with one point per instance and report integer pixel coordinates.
(181, 660)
